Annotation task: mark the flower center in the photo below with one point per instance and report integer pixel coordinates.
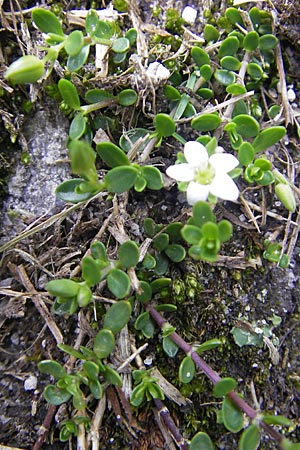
(205, 176)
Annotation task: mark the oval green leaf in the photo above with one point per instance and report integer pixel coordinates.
(200, 56)
(250, 438)
(62, 288)
(268, 137)
(74, 42)
(75, 62)
(104, 343)
(90, 271)
(27, 69)
(153, 177)
(229, 47)
(129, 254)
(230, 63)
(121, 179)
(77, 127)
(66, 191)
(69, 93)
(224, 386)
(127, 97)
(233, 417)
(46, 21)
(224, 77)
(170, 348)
(246, 125)
(175, 252)
(121, 45)
(164, 125)
(112, 155)
(251, 41)
(56, 396)
(52, 368)
(206, 122)
(117, 316)
(187, 370)
(201, 441)
(118, 283)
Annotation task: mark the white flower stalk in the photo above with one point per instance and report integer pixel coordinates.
(205, 174)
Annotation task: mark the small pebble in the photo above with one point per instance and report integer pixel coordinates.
(189, 15)
(30, 383)
(157, 72)
(291, 95)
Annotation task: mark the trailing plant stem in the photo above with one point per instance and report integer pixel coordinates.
(213, 376)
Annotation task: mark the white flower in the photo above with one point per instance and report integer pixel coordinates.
(206, 175)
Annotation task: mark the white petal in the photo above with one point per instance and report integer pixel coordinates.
(196, 154)
(224, 187)
(223, 162)
(181, 172)
(196, 192)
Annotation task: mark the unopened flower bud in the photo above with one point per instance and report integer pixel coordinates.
(286, 196)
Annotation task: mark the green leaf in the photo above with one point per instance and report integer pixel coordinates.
(104, 32)
(166, 307)
(159, 284)
(201, 441)
(63, 288)
(161, 242)
(84, 296)
(118, 283)
(56, 396)
(83, 160)
(52, 368)
(145, 294)
(111, 154)
(255, 71)
(228, 47)
(210, 33)
(230, 63)
(225, 230)
(173, 230)
(130, 137)
(69, 93)
(128, 254)
(206, 122)
(90, 271)
(74, 42)
(208, 345)
(79, 402)
(75, 62)
(170, 348)
(251, 41)
(97, 95)
(117, 316)
(200, 56)
(187, 370)
(91, 369)
(286, 444)
(144, 324)
(149, 262)
(271, 419)
(224, 386)
(70, 350)
(234, 16)
(255, 16)
(46, 21)
(104, 343)
(140, 183)
(267, 42)
(112, 376)
(127, 97)
(98, 251)
(77, 127)
(27, 69)
(175, 252)
(268, 137)
(68, 307)
(224, 77)
(235, 89)
(250, 438)
(137, 395)
(96, 389)
(121, 179)
(233, 417)
(121, 45)
(91, 22)
(172, 93)
(66, 191)
(164, 125)
(246, 153)
(131, 35)
(202, 213)
(205, 93)
(153, 177)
